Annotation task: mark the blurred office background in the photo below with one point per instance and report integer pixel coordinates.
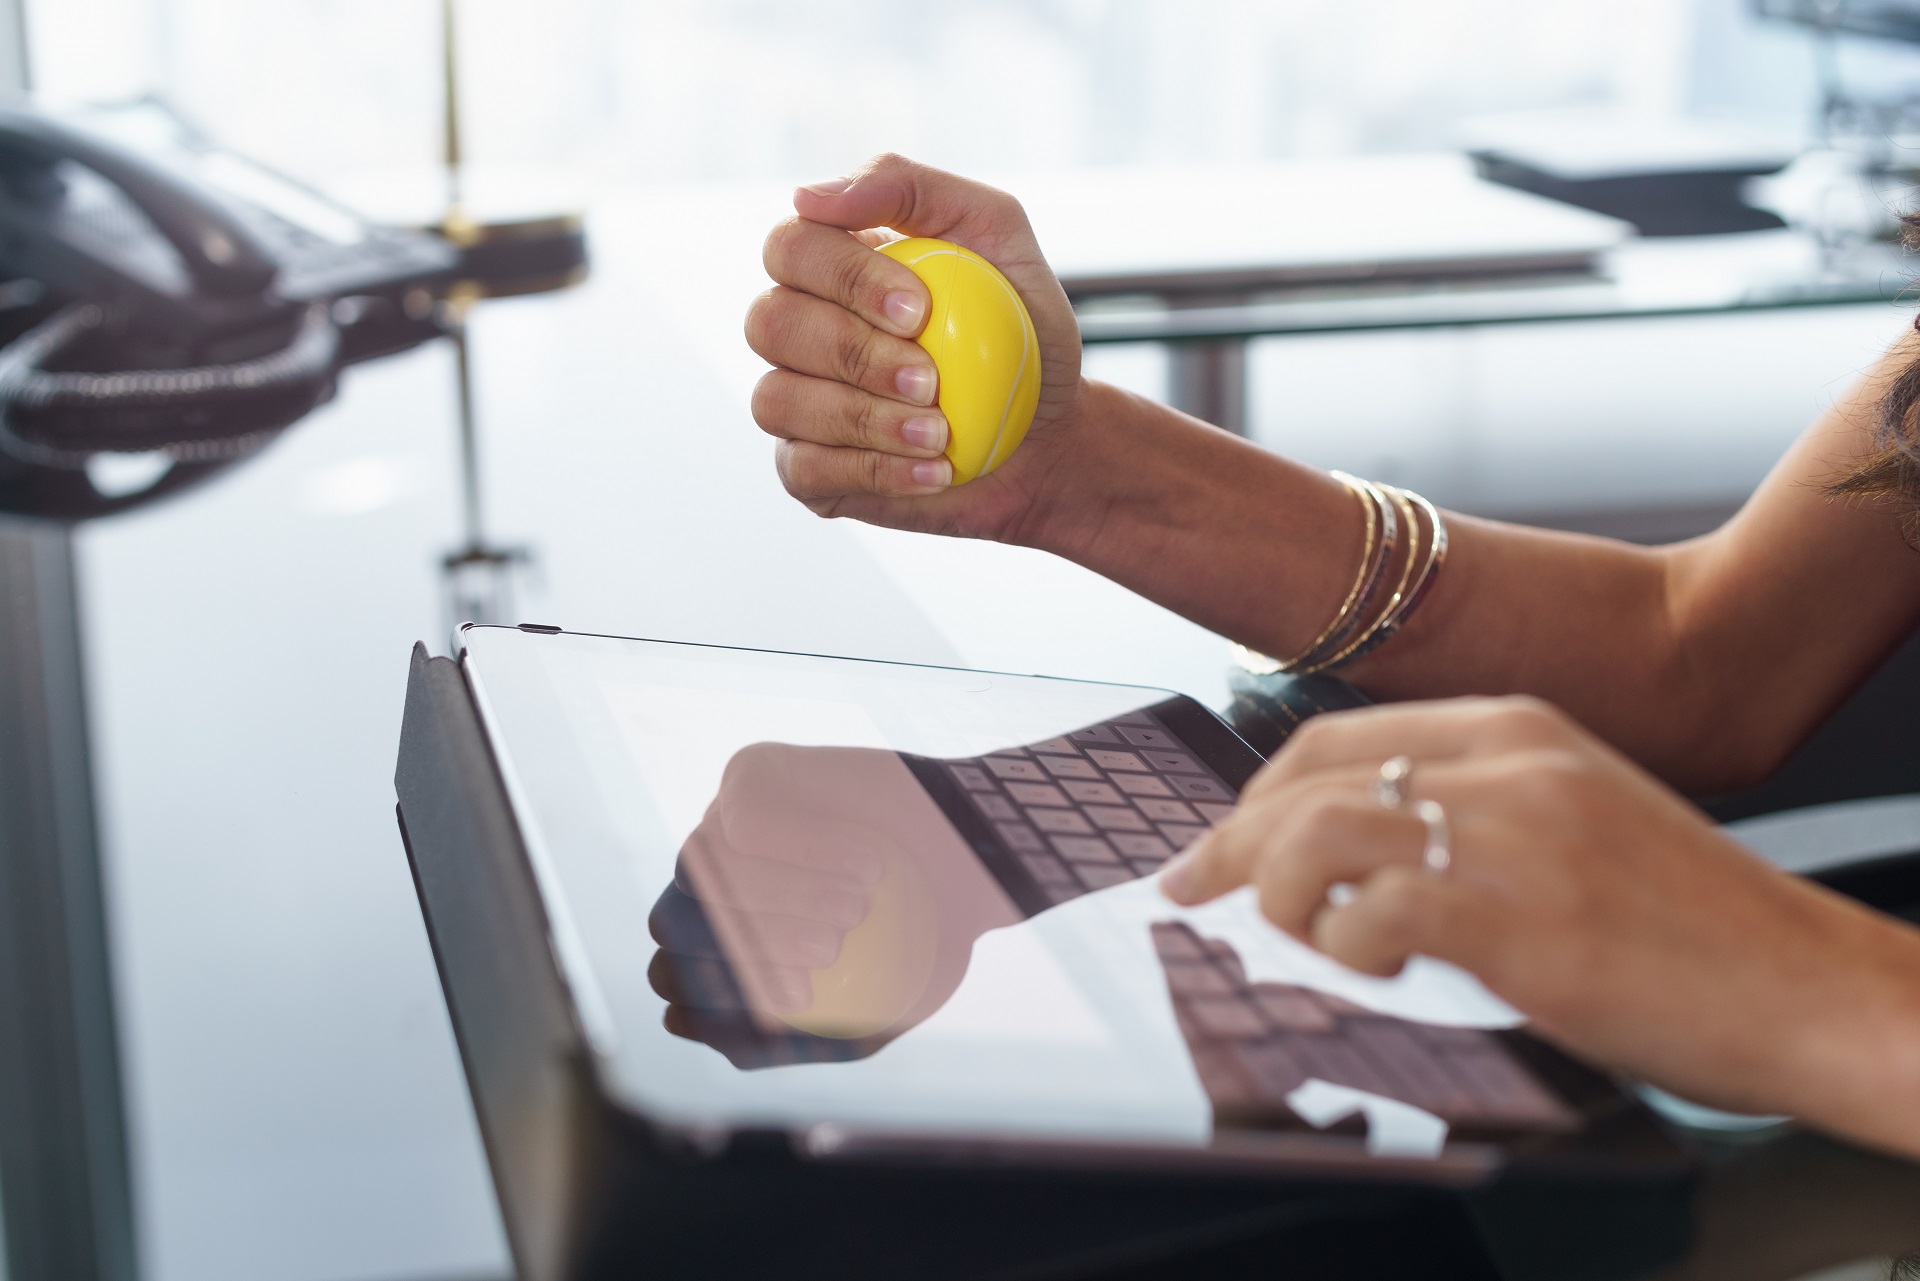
(682, 90)
(296, 1103)
(604, 95)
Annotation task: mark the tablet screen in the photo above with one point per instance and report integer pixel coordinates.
(793, 891)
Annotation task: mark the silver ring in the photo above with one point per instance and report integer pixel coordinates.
(1438, 855)
(1390, 786)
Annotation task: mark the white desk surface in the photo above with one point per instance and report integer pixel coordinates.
(1346, 212)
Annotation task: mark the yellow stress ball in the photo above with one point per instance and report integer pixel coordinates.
(984, 347)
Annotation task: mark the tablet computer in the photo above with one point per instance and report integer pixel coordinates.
(891, 910)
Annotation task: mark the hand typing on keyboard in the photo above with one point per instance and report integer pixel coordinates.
(1579, 890)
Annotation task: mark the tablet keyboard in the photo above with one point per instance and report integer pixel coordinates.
(1095, 807)
(1253, 1044)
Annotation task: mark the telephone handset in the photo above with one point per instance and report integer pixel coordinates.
(164, 296)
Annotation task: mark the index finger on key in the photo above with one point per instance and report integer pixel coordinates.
(835, 265)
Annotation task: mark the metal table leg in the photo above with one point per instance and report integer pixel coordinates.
(1209, 381)
(1208, 378)
(64, 1179)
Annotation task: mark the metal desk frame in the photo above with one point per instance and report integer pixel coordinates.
(1208, 329)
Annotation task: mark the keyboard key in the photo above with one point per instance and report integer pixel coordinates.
(1273, 1069)
(1058, 746)
(1167, 811)
(1021, 838)
(1201, 789)
(1093, 793)
(1173, 762)
(1146, 737)
(1227, 1018)
(1100, 878)
(1146, 866)
(1141, 785)
(1117, 760)
(1226, 960)
(1069, 821)
(1086, 849)
(972, 777)
(1069, 767)
(1117, 818)
(1190, 980)
(1141, 846)
(1215, 811)
(998, 807)
(1424, 1083)
(1225, 1081)
(1024, 770)
(1036, 794)
(1047, 869)
(1292, 1009)
(1337, 1062)
(1062, 893)
(1503, 1089)
(1175, 943)
(1095, 734)
(1179, 835)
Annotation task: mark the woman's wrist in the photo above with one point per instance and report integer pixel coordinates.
(1210, 525)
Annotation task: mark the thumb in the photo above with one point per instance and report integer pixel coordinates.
(918, 200)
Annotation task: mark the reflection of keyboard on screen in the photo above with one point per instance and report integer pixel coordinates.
(1095, 807)
(1253, 1044)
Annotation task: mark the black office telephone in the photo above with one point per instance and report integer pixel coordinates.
(161, 296)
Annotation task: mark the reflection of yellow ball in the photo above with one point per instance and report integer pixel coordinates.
(983, 343)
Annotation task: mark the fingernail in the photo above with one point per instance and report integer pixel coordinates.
(934, 473)
(925, 433)
(905, 310)
(1176, 878)
(916, 384)
(829, 187)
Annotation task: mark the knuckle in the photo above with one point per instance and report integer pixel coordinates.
(872, 471)
(857, 358)
(786, 466)
(1400, 898)
(853, 279)
(1523, 718)
(776, 252)
(1323, 817)
(871, 422)
(771, 399)
(1560, 779)
(1314, 736)
(763, 323)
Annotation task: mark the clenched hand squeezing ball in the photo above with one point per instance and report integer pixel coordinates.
(983, 345)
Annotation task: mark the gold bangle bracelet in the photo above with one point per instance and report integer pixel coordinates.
(1359, 606)
(1391, 609)
(1361, 609)
(1265, 665)
(1430, 570)
(1337, 645)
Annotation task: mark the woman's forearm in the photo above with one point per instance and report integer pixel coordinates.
(1672, 654)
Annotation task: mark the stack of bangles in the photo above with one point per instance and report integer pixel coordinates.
(1404, 548)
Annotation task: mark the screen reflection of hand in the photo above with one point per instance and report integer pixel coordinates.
(824, 896)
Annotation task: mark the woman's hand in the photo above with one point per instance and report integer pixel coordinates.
(852, 398)
(1591, 898)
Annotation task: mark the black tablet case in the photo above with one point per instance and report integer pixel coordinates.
(590, 1190)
